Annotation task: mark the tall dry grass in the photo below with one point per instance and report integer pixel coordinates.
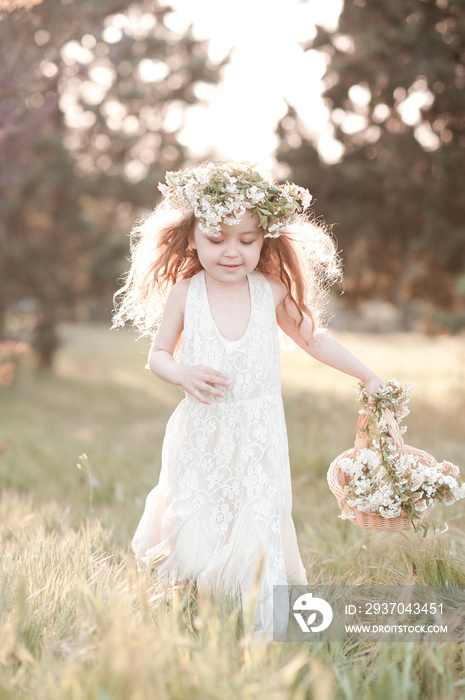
(76, 618)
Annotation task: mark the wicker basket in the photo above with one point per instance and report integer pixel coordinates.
(337, 479)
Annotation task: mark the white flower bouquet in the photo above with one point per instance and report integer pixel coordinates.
(382, 483)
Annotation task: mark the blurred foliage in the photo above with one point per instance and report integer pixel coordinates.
(12, 5)
(395, 91)
(93, 96)
(10, 354)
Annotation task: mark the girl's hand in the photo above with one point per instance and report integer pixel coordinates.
(198, 379)
(373, 384)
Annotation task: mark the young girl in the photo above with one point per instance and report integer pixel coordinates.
(232, 256)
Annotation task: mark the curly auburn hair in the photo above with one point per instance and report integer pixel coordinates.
(304, 258)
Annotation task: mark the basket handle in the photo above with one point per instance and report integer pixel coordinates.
(394, 429)
(361, 439)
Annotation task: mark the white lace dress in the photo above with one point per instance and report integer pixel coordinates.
(224, 492)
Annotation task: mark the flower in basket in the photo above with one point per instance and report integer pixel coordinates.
(387, 477)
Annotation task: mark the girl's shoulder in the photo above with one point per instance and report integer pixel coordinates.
(180, 289)
(176, 299)
(277, 287)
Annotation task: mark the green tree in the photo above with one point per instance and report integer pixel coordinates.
(395, 91)
(93, 98)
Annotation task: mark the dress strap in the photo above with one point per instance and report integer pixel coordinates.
(191, 313)
(262, 288)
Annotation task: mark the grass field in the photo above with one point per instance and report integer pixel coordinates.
(78, 621)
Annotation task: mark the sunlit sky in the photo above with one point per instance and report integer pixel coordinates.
(238, 117)
(268, 65)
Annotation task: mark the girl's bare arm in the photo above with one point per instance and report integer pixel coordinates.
(194, 380)
(321, 345)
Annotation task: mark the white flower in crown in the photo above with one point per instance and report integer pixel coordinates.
(256, 195)
(222, 193)
(306, 197)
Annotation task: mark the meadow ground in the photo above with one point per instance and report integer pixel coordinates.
(79, 622)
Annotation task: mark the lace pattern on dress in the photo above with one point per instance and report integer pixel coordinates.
(224, 494)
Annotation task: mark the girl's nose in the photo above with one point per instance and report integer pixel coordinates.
(231, 249)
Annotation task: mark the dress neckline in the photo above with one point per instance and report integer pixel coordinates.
(246, 332)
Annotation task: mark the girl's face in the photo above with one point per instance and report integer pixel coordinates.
(232, 255)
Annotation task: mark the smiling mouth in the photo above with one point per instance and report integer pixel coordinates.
(230, 266)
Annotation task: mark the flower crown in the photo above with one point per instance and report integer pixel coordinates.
(222, 193)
